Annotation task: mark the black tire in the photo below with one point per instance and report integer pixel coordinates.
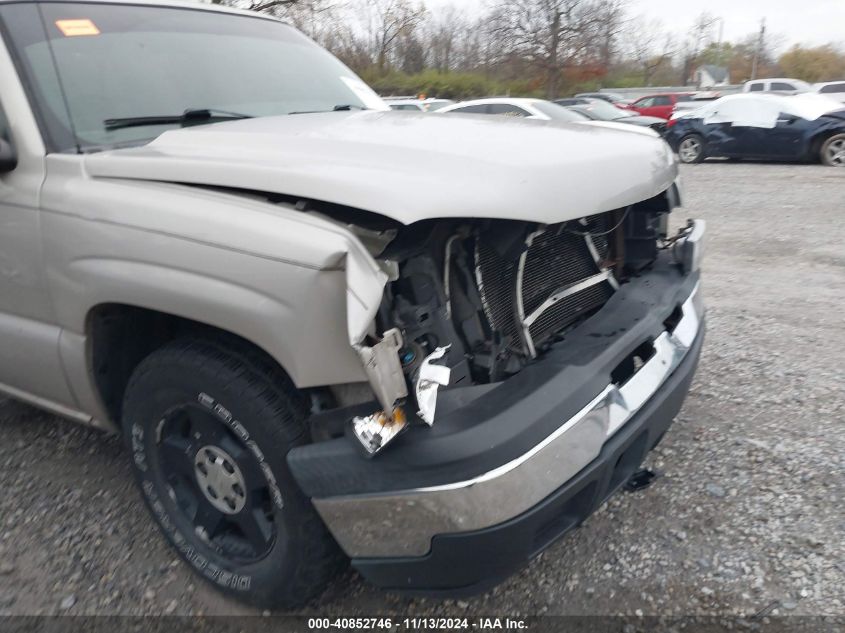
(274, 552)
(833, 151)
(691, 149)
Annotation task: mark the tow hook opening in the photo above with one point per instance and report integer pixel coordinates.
(642, 479)
(632, 364)
(671, 323)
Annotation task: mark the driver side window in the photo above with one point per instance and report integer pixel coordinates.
(645, 103)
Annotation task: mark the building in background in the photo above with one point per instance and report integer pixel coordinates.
(710, 76)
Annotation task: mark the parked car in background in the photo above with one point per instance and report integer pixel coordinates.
(571, 101)
(832, 89)
(698, 99)
(780, 85)
(520, 108)
(598, 110)
(611, 97)
(660, 105)
(417, 105)
(806, 127)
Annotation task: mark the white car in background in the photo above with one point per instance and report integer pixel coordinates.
(698, 100)
(412, 104)
(832, 89)
(780, 85)
(519, 108)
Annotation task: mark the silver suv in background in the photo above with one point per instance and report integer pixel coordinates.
(430, 345)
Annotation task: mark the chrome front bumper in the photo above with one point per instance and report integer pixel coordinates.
(402, 524)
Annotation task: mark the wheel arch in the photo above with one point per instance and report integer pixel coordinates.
(120, 336)
(819, 139)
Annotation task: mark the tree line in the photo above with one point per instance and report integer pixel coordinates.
(532, 47)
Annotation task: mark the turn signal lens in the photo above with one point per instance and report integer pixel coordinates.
(376, 431)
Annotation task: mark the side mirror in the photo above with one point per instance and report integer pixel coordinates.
(8, 156)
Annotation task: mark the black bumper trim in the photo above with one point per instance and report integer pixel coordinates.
(511, 418)
(472, 562)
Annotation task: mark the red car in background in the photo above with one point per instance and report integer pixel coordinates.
(660, 105)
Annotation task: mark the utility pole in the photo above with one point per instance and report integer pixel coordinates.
(759, 51)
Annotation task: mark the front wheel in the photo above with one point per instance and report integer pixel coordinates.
(691, 149)
(209, 428)
(833, 151)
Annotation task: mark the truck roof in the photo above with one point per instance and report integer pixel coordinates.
(177, 4)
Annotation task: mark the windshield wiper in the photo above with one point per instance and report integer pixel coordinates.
(189, 117)
(344, 107)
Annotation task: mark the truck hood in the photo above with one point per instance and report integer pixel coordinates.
(412, 167)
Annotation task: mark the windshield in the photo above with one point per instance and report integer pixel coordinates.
(605, 111)
(558, 113)
(114, 62)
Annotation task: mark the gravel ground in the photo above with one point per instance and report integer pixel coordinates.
(749, 514)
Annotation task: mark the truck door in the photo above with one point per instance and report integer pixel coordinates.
(29, 337)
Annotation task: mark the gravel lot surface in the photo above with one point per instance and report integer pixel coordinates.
(749, 513)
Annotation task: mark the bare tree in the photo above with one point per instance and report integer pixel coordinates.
(609, 28)
(551, 34)
(316, 18)
(467, 48)
(262, 5)
(649, 46)
(445, 30)
(385, 22)
(411, 54)
(700, 36)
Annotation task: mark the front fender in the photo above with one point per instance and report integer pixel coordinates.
(297, 286)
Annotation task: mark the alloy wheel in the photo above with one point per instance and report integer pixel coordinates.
(689, 150)
(836, 153)
(216, 483)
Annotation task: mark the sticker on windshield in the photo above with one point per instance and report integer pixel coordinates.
(75, 28)
(369, 98)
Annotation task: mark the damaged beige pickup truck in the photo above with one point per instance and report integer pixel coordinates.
(431, 344)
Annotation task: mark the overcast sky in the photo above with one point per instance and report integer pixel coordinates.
(807, 21)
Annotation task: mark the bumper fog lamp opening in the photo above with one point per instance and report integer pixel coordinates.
(375, 432)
